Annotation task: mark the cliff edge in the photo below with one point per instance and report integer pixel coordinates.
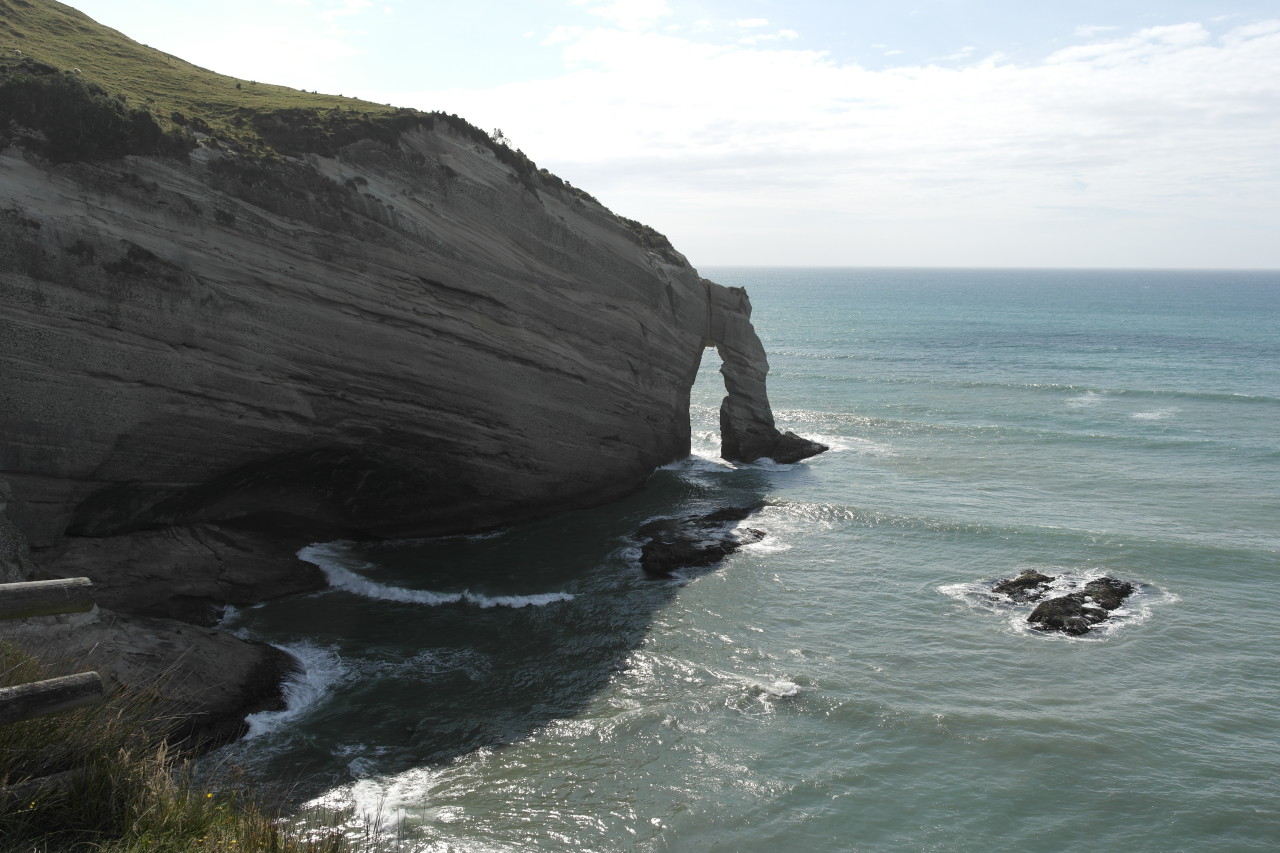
(302, 322)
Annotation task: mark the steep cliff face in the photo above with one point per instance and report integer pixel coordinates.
(314, 323)
(397, 340)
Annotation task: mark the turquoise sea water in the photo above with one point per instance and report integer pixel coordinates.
(848, 684)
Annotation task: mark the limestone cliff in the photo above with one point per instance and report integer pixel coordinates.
(386, 329)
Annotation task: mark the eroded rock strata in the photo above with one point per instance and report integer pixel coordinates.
(385, 330)
(469, 353)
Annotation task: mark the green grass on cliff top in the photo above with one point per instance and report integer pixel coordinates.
(58, 35)
(258, 118)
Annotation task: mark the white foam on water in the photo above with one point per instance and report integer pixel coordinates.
(345, 579)
(516, 601)
(770, 544)
(770, 465)
(1157, 415)
(779, 689)
(384, 802)
(319, 669)
(230, 613)
(860, 446)
(336, 564)
(708, 462)
(1085, 400)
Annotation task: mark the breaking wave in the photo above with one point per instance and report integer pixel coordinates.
(340, 569)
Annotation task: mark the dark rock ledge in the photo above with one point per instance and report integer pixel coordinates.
(694, 541)
(1074, 613)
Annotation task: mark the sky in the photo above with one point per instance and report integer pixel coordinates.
(976, 133)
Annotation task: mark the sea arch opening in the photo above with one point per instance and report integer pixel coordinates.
(706, 394)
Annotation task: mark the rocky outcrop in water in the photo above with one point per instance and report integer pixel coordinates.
(1073, 613)
(747, 429)
(694, 541)
(1030, 585)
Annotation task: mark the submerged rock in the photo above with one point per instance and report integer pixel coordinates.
(694, 541)
(1076, 612)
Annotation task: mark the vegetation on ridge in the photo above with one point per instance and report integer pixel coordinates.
(93, 93)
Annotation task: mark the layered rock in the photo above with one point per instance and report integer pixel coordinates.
(397, 329)
(418, 343)
(15, 564)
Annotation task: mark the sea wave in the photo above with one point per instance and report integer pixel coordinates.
(337, 564)
(1049, 387)
(319, 668)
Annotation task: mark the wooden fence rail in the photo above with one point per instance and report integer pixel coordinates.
(47, 598)
(49, 696)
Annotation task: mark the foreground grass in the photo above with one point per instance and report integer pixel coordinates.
(122, 788)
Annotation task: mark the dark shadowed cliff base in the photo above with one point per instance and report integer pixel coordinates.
(223, 338)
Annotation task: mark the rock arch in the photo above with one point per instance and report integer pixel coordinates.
(747, 430)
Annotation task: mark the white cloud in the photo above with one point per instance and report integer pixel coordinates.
(1139, 47)
(1139, 148)
(628, 14)
(345, 9)
(275, 54)
(1089, 31)
(965, 52)
(752, 23)
(780, 35)
(563, 34)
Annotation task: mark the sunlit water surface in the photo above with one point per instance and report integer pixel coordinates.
(849, 684)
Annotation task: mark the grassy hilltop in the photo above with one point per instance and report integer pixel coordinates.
(43, 37)
(93, 92)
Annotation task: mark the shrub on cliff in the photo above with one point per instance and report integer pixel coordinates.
(75, 120)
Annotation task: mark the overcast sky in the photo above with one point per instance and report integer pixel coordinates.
(1127, 133)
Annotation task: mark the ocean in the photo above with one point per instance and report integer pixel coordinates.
(851, 683)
